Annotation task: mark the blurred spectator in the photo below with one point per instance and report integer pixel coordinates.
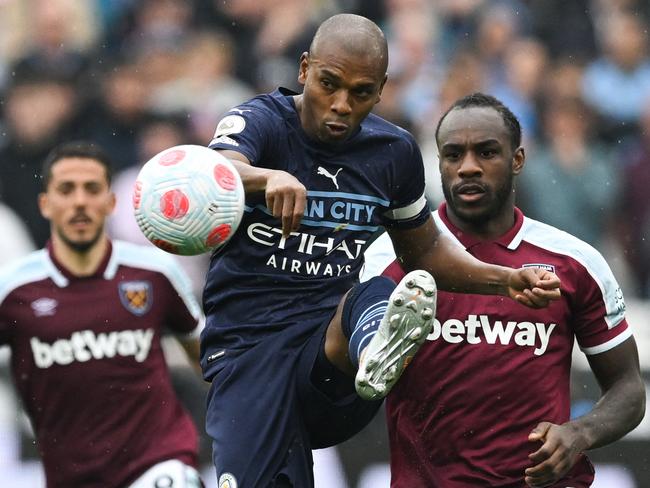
(241, 19)
(413, 68)
(391, 106)
(604, 9)
(525, 62)
(270, 37)
(205, 87)
(20, 242)
(52, 51)
(634, 221)
(154, 23)
(156, 135)
(39, 112)
(118, 114)
(565, 28)
(463, 75)
(570, 182)
(283, 35)
(52, 36)
(563, 80)
(499, 24)
(458, 24)
(374, 10)
(617, 83)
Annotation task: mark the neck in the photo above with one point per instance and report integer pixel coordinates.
(80, 263)
(297, 101)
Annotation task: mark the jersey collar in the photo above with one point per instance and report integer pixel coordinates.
(59, 267)
(511, 239)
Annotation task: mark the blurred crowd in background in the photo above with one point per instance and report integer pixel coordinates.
(138, 76)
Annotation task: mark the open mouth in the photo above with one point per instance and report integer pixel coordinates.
(470, 192)
(337, 128)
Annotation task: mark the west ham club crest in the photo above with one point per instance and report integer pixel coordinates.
(136, 296)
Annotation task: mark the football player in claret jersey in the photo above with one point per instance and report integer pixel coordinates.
(486, 400)
(287, 325)
(83, 318)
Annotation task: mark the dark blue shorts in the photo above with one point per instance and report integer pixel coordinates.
(268, 408)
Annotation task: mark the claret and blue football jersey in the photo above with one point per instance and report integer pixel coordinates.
(492, 369)
(263, 281)
(88, 363)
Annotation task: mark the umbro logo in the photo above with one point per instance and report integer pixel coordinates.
(323, 172)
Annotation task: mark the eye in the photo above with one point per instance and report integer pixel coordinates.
(489, 153)
(326, 83)
(65, 188)
(451, 155)
(94, 188)
(363, 93)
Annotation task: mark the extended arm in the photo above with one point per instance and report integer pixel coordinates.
(619, 410)
(286, 197)
(456, 270)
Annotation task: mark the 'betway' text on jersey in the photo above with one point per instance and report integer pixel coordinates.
(85, 345)
(476, 329)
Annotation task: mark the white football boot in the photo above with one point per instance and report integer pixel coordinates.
(405, 326)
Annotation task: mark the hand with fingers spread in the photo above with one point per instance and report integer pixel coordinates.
(534, 287)
(560, 449)
(286, 198)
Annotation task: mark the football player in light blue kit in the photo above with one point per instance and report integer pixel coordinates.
(288, 325)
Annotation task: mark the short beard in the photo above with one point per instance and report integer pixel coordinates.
(80, 247)
(500, 199)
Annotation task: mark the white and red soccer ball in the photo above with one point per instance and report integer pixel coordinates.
(188, 200)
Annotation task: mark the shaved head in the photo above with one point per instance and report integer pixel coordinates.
(343, 75)
(355, 34)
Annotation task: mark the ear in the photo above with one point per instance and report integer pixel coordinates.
(518, 161)
(381, 89)
(44, 205)
(112, 203)
(302, 69)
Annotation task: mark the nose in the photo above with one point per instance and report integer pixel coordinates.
(341, 103)
(79, 197)
(469, 166)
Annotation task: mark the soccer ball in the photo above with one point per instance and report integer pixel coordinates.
(188, 200)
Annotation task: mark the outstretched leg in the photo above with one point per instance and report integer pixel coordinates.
(378, 328)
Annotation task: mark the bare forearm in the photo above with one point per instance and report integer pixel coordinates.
(622, 404)
(454, 268)
(285, 195)
(254, 179)
(457, 270)
(617, 412)
(193, 352)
